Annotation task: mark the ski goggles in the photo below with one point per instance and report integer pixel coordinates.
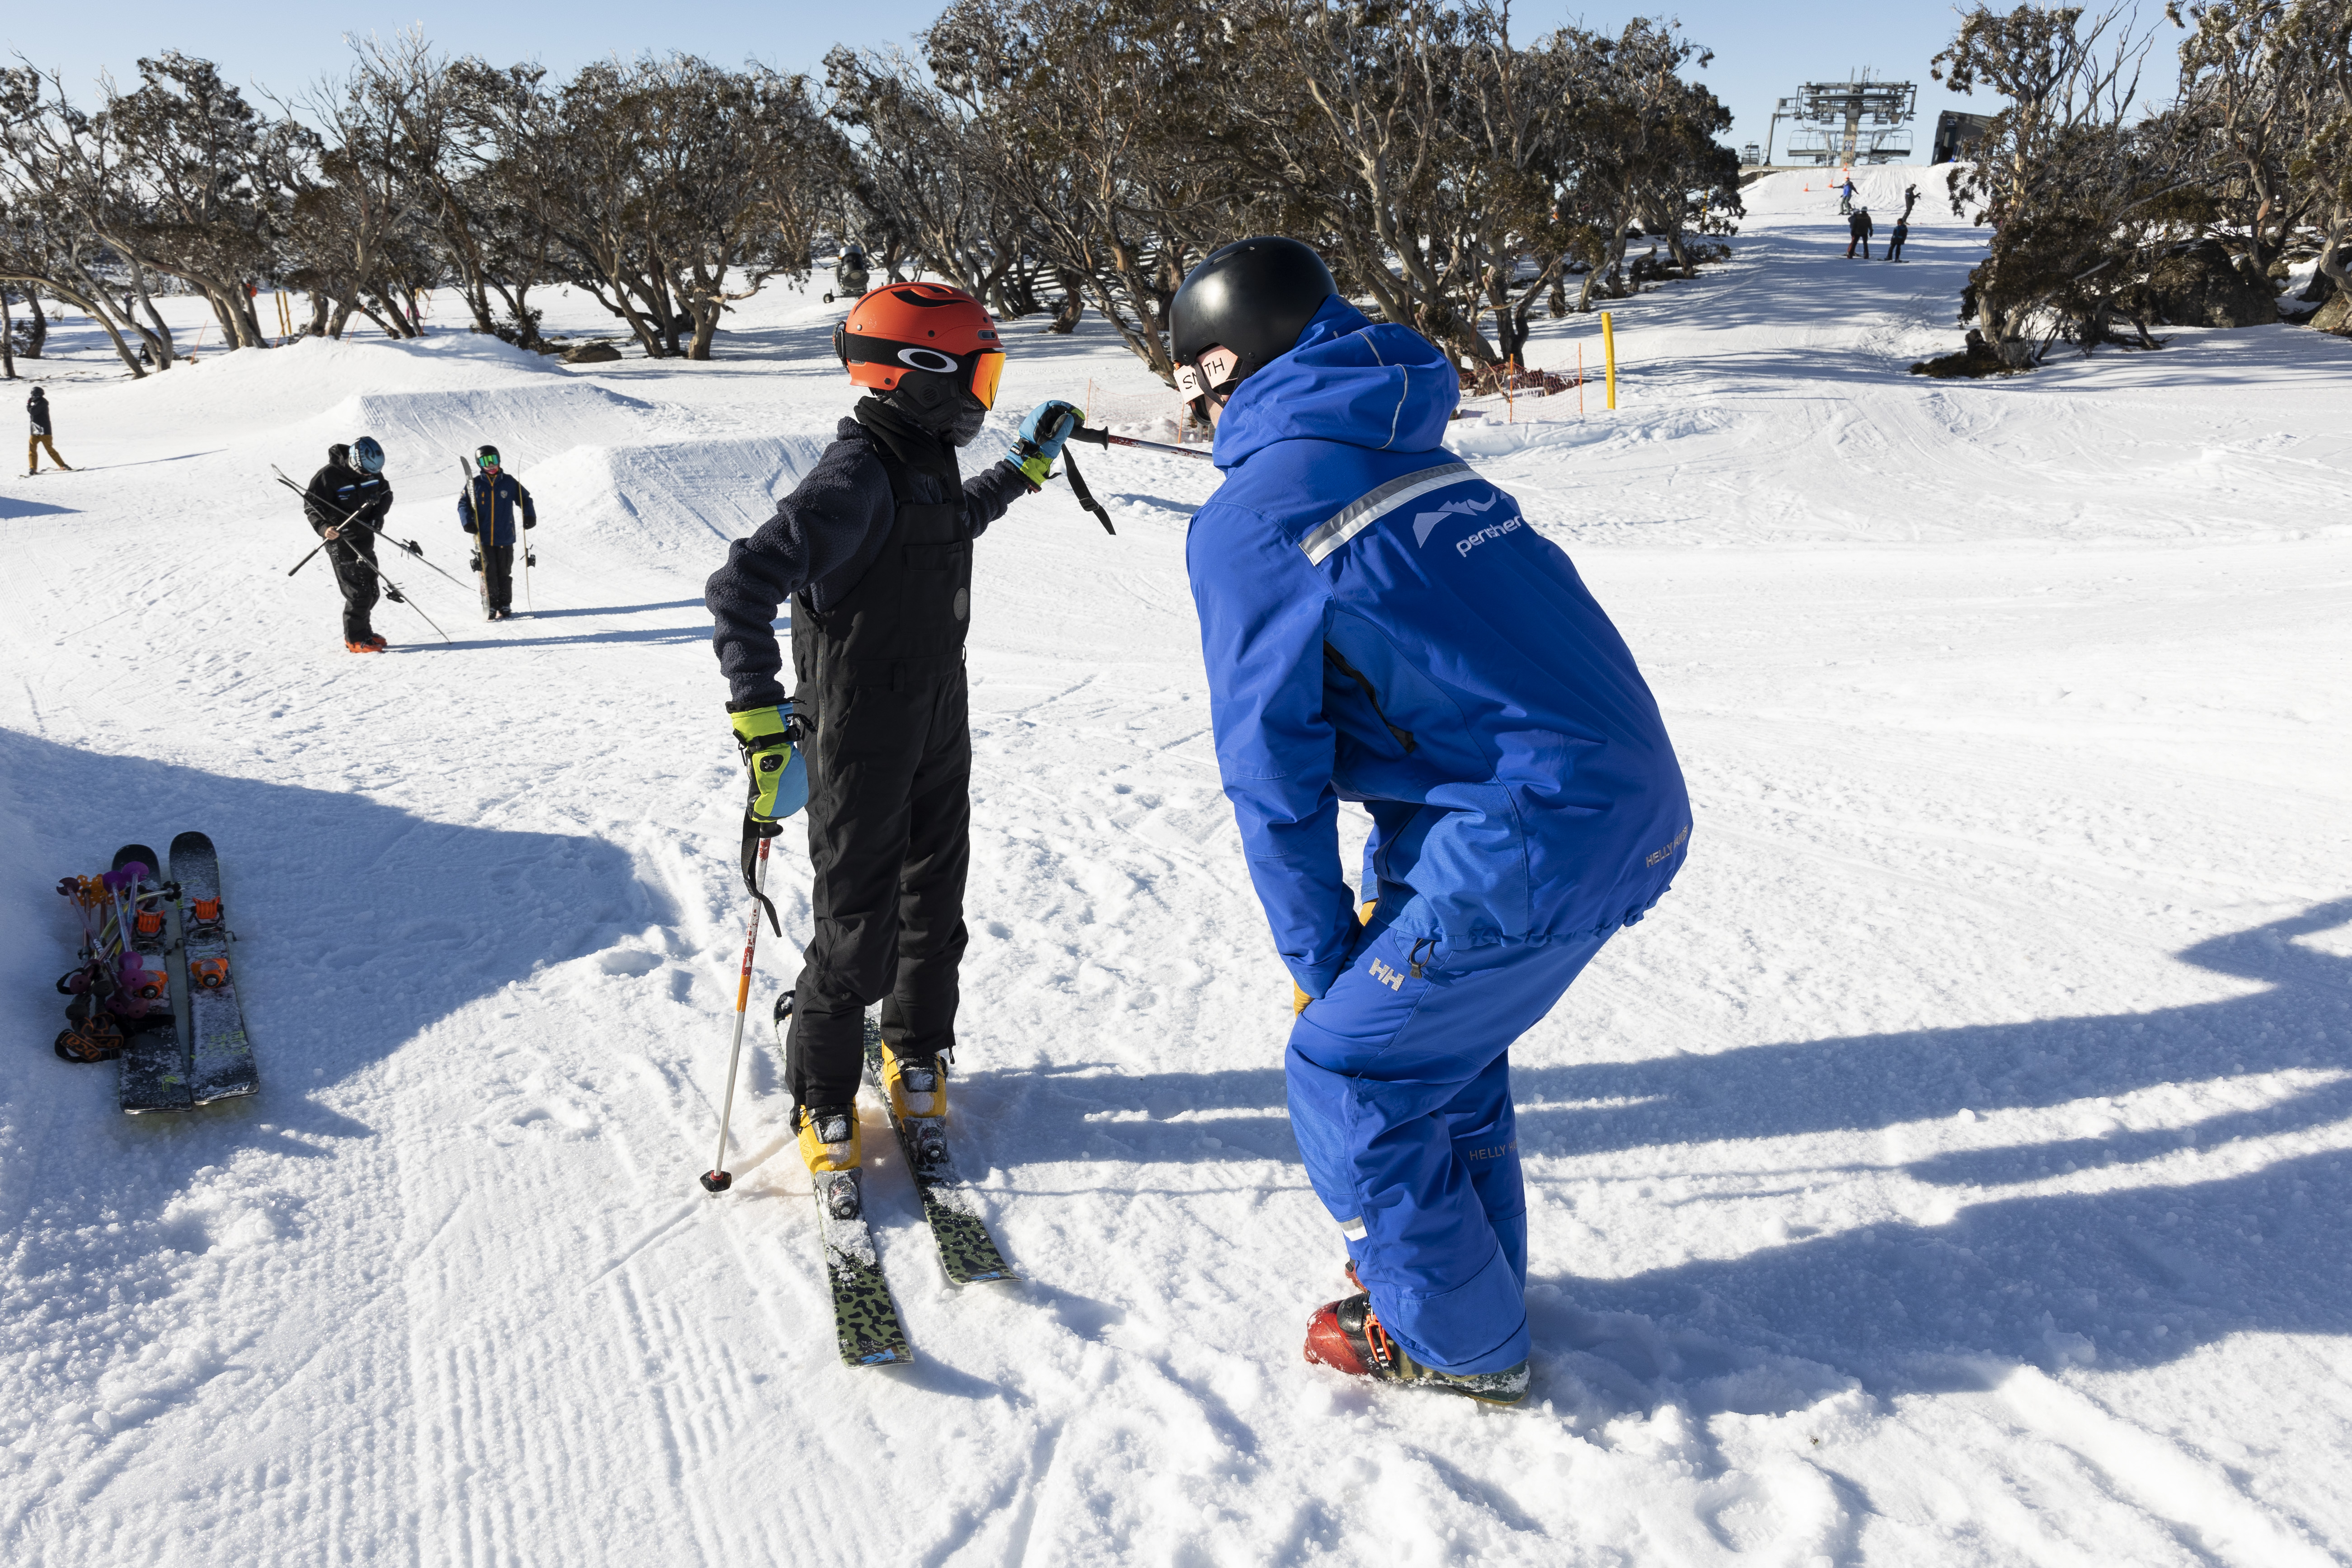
(488, 461)
(980, 372)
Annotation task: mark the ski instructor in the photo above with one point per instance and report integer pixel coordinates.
(874, 547)
(1380, 625)
(346, 504)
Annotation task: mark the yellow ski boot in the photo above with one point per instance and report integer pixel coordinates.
(830, 1147)
(917, 1087)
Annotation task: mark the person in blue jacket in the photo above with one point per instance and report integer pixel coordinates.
(1380, 624)
(494, 496)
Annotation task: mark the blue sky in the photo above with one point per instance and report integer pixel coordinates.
(1762, 51)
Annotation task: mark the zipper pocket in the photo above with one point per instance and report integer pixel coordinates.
(1403, 737)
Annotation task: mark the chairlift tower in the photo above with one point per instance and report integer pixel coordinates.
(1840, 123)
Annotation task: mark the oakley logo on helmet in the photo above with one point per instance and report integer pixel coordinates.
(927, 359)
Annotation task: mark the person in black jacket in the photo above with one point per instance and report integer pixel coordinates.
(346, 503)
(1895, 237)
(495, 496)
(874, 548)
(38, 406)
(1859, 228)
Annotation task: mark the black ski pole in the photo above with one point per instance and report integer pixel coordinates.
(1094, 437)
(409, 545)
(717, 1179)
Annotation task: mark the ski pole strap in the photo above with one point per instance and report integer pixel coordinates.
(754, 832)
(1078, 489)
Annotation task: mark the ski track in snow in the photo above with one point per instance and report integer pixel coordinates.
(1953, 1170)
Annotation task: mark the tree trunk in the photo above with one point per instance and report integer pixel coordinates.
(36, 331)
(7, 336)
(1074, 303)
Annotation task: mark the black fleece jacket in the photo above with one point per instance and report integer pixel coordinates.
(823, 538)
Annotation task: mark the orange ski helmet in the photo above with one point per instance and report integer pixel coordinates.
(903, 330)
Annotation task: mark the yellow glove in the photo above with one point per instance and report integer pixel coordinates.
(1298, 1000)
(779, 771)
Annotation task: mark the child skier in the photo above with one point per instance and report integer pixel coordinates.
(874, 548)
(1895, 237)
(346, 503)
(1380, 625)
(38, 406)
(493, 496)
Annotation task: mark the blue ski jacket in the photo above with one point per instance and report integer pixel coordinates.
(1380, 625)
(500, 497)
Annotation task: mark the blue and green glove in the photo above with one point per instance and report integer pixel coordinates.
(1042, 436)
(769, 738)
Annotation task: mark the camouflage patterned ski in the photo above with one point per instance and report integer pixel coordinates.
(967, 1252)
(863, 1319)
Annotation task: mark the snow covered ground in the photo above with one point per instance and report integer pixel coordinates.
(1954, 1169)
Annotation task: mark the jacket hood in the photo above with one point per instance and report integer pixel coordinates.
(1385, 388)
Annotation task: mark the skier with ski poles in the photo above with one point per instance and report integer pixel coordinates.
(486, 509)
(1380, 625)
(346, 503)
(38, 406)
(874, 549)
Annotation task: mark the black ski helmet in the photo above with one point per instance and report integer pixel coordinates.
(1252, 298)
(485, 456)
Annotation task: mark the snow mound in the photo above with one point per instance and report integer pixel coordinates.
(674, 497)
(1812, 193)
(426, 431)
(252, 389)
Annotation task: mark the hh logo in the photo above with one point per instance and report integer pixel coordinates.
(1387, 976)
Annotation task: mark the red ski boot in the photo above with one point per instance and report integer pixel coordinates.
(1346, 1336)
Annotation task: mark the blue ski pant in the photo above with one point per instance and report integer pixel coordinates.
(1400, 1086)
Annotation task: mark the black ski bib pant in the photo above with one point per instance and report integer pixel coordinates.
(354, 558)
(888, 743)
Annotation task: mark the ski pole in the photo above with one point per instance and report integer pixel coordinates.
(408, 545)
(717, 1179)
(1094, 437)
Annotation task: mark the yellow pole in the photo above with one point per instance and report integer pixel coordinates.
(1609, 348)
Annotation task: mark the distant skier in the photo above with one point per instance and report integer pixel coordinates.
(1895, 237)
(1859, 229)
(1845, 197)
(1380, 625)
(347, 501)
(1910, 200)
(874, 548)
(497, 495)
(38, 406)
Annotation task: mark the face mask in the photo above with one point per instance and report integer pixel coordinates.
(964, 429)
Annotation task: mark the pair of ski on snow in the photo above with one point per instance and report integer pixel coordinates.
(865, 1320)
(161, 1071)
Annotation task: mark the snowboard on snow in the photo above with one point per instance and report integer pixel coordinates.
(221, 1062)
(967, 1254)
(154, 1072)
